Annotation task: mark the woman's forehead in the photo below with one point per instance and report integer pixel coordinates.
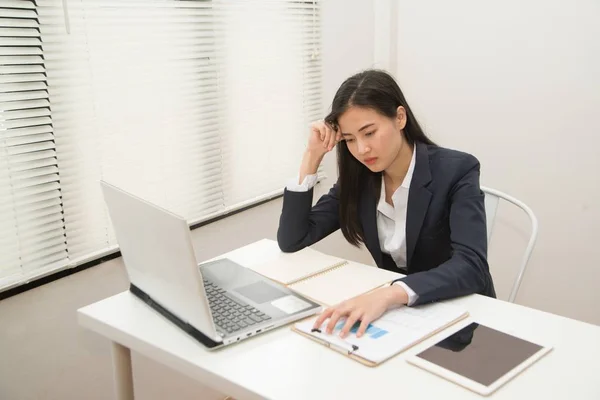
(354, 118)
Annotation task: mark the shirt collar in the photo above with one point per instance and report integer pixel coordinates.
(405, 183)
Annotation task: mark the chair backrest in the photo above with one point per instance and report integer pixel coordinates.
(492, 199)
(491, 206)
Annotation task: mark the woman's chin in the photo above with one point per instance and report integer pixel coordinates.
(375, 167)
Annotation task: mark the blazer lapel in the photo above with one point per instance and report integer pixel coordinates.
(418, 199)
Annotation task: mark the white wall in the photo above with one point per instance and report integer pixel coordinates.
(348, 29)
(517, 84)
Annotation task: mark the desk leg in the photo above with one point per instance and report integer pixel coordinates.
(122, 374)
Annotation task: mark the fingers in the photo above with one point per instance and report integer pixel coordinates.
(332, 138)
(317, 129)
(333, 320)
(364, 324)
(326, 314)
(333, 141)
(338, 134)
(355, 316)
(327, 135)
(320, 128)
(329, 140)
(336, 313)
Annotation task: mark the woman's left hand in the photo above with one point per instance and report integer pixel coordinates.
(365, 308)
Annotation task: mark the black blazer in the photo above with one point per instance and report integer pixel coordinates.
(446, 238)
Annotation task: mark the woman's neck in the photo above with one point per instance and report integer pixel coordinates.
(394, 175)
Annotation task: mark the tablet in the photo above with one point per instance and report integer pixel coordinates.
(479, 358)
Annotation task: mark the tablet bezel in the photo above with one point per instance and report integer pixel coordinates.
(467, 382)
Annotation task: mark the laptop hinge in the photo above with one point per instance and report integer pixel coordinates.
(189, 329)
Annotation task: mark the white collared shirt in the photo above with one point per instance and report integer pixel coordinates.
(391, 219)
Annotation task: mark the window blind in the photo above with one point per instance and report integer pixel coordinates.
(32, 236)
(201, 107)
(270, 70)
(134, 94)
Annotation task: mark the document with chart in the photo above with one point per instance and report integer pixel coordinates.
(394, 332)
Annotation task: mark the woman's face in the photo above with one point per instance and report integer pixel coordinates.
(372, 138)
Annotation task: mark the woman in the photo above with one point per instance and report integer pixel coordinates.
(416, 207)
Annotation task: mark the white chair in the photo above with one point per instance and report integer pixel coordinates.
(492, 198)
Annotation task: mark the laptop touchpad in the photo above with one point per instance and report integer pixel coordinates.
(260, 292)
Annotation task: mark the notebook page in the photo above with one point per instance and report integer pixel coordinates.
(251, 254)
(287, 268)
(394, 332)
(343, 283)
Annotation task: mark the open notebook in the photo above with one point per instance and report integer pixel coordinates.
(323, 278)
(395, 331)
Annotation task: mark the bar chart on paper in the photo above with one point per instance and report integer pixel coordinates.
(372, 331)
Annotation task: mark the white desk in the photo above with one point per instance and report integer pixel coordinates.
(284, 365)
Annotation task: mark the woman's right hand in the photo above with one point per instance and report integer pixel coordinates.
(321, 140)
(323, 137)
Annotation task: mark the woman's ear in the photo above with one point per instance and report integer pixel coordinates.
(400, 118)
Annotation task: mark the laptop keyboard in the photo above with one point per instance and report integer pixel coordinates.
(231, 314)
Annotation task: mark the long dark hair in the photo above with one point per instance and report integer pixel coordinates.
(377, 90)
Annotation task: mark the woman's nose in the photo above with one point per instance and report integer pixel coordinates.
(363, 148)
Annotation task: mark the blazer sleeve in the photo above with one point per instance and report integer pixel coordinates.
(302, 225)
(467, 270)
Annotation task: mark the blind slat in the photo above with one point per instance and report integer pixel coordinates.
(20, 140)
(35, 231)
(34, 182)
(26, 158)
(23, 105)
(15, 78)
(18, 32)
(43, 254)
(20, 51)
(28, 95)
(32, 201)
(51, 235)
(21, 123)
(17, 41)
(21, 87)
(25, 208)
(33, 216)
(18, 132)
(7, 21)
(19, 4)
(25, 114)
(17, 13)
(21, 69)
(20, 60)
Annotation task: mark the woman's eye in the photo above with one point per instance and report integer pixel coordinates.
(349, 140)
(369, 133)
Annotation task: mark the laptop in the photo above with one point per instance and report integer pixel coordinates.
(218, 302)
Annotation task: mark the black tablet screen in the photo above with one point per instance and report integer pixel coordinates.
(480, 353)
